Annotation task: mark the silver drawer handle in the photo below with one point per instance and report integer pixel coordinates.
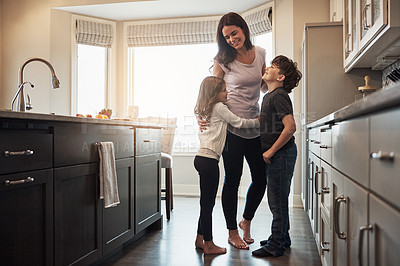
(361, 241)
(382, 155)
(21, 181)
(324, 190)
(323, 146)
(149, 140)
(323, 248)
(18, 153)
(336, 208)
(317, 142)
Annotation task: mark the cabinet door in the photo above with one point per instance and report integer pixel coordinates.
(77, 215)
(373, 19)
(350, 148)
(26, 223)
(147, 191)
(350, 31)
(118, 221)
(385, 155)
(338, 220)
(384, 237)
(357, 216)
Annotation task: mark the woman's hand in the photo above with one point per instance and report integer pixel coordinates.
(203, 123)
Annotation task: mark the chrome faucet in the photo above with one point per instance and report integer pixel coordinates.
(20, 92)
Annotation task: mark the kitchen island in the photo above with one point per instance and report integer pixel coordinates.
(49, 188)
(351, 186)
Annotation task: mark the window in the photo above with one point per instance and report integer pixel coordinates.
(92, 64)
(166, 84)
(166, 81)
(91, 79)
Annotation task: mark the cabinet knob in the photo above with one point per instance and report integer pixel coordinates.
(382, 155)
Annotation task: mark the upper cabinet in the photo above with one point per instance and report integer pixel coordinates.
(371, 33)
(336, 10)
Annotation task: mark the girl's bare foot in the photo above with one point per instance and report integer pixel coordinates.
(245, 226)
(236, 241)
(199, 243)
(211, 248)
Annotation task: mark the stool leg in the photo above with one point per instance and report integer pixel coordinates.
(168, 192)
(170, 187)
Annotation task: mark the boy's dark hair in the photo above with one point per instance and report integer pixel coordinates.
(288, 68)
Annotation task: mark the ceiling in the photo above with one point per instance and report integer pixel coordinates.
(158, 9)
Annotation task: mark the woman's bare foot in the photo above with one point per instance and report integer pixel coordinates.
(211, 248)
(236, 241)
(245, 226)
(199, 242)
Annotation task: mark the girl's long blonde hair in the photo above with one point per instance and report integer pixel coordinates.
(208, 96)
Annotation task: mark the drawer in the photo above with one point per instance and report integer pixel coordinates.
(385, 155)
(76, 143)
(25, 150)
(148, 141)
(350, 149)
(326, 143)
(314, 139)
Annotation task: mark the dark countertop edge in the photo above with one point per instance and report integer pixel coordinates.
(73, 119)
(378, 101)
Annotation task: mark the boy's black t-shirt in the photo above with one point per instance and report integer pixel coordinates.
(274, 107)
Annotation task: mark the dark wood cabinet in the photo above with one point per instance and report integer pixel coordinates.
(26, 218)
(118, 221)
(50, 211)
(147, 190)
(77, 215)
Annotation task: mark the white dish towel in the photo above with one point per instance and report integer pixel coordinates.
(108, 175)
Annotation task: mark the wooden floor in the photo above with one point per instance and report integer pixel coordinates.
(174, 244)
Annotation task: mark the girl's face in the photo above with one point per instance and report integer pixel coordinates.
(223, 95)
(234, 36)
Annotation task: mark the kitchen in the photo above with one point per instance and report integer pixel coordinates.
(33, 29)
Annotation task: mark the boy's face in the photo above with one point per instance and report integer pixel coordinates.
(272, 74)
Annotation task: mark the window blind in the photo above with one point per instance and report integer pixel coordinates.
(191, 32)
(94, 33)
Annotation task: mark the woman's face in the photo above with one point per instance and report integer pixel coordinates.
(223, 95)
(234, 36)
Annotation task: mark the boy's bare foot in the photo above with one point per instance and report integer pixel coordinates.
(199, 242)
(245, 226)
(236, 241)
(211, 248)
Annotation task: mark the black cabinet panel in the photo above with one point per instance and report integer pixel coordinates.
(77, 215)
(25, 150)
(147, 190)
(26, 219)
(118, 221)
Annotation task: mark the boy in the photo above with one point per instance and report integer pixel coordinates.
(277, 127)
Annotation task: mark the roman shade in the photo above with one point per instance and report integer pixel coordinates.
(94, 33)
(174, 32)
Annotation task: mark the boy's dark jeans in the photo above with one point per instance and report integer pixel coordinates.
(279, 177)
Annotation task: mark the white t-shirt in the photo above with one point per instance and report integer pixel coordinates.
(212, 140)
(243, 82)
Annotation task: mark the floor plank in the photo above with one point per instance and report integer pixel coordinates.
(174, 245)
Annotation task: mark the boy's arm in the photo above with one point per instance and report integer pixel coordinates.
(287, 132)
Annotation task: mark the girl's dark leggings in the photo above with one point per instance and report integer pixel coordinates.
(209, 178)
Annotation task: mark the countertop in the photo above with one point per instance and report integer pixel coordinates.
(74, 119)
(378, 101)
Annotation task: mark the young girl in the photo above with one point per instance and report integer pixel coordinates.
(210, 106)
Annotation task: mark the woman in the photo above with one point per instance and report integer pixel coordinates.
(242, 66)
